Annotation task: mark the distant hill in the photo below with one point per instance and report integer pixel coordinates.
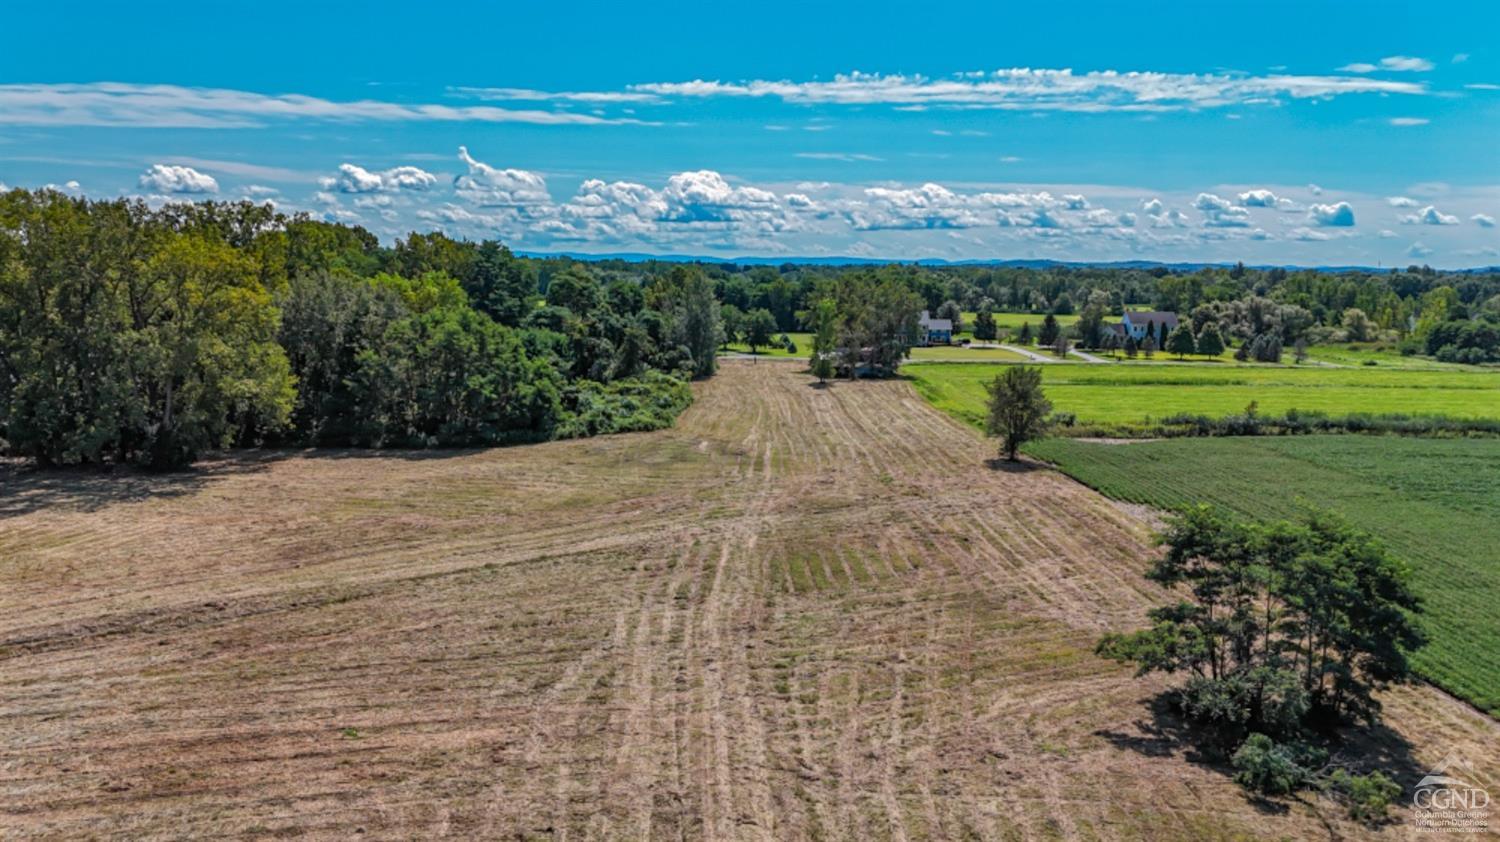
(641, 257)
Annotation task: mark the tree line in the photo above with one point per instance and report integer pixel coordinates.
(147, 336)
(141, 335)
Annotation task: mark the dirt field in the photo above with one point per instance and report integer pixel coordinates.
(800, 614)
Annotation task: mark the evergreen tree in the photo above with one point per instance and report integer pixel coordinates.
(1282, 624)
(1048, 335)
(1024, 337)
(1180, 342)
(984, 323)
(1210, 342)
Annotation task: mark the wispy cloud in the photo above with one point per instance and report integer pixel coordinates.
(1409, 121)
(1394, 64)
(532, 95)
(838, 156)
(1015, 88)
(174, 106)
(1027, 89)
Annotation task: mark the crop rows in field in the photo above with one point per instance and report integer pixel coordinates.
(1118, 394)
(1436, 504)
(800, 613)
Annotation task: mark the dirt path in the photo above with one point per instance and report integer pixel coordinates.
(803, 613)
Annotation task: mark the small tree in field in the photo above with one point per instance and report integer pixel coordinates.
(1131, 348)
(1018, 409)
(1024, 337)
(1180, 342)
(1060, 345)
(759, 325)
(825, 327)
(1048, 334)
(1210, 341)
(1149, 347)
(984, 323)
(1111, 343)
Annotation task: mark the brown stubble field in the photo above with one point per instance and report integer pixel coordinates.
(800, 614)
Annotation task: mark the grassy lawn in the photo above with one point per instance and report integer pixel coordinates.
(802, 340)
(958, 353)
(1377, 355)
(1132, 394)
(1435, 502)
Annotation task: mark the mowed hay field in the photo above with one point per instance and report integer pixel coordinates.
(1434, 502)
(800, 614)
(1130, 394)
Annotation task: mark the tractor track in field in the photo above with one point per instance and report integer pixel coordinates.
(802, 613)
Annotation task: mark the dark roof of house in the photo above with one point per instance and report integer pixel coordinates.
(1157, 316)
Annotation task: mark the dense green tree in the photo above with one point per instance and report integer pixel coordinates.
(733, 320)
(500, 285)
(1090, 329)
(825, 339)
(1286, 624)
(1024, 336)
(759, 325)
(328, 319)
(984, 323)
(1047, 336)
(878, 314)
(1018, 409)
(451, 376)
(1180, 341)
(695, 316)
(576, 291)
(1210, 343)
(124, 340)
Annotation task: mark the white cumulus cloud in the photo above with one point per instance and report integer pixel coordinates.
(1338, 215)
(489, 186)
(1262, 198)
(1430, 216)
(168, 178)
(356, 179)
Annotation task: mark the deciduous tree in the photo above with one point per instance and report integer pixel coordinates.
(1018, 409)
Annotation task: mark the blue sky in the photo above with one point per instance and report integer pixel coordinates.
(1311, 133)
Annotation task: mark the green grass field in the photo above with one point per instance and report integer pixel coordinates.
(1434, 502)
(1376, 355)
(1116, 394)
(802, 340)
